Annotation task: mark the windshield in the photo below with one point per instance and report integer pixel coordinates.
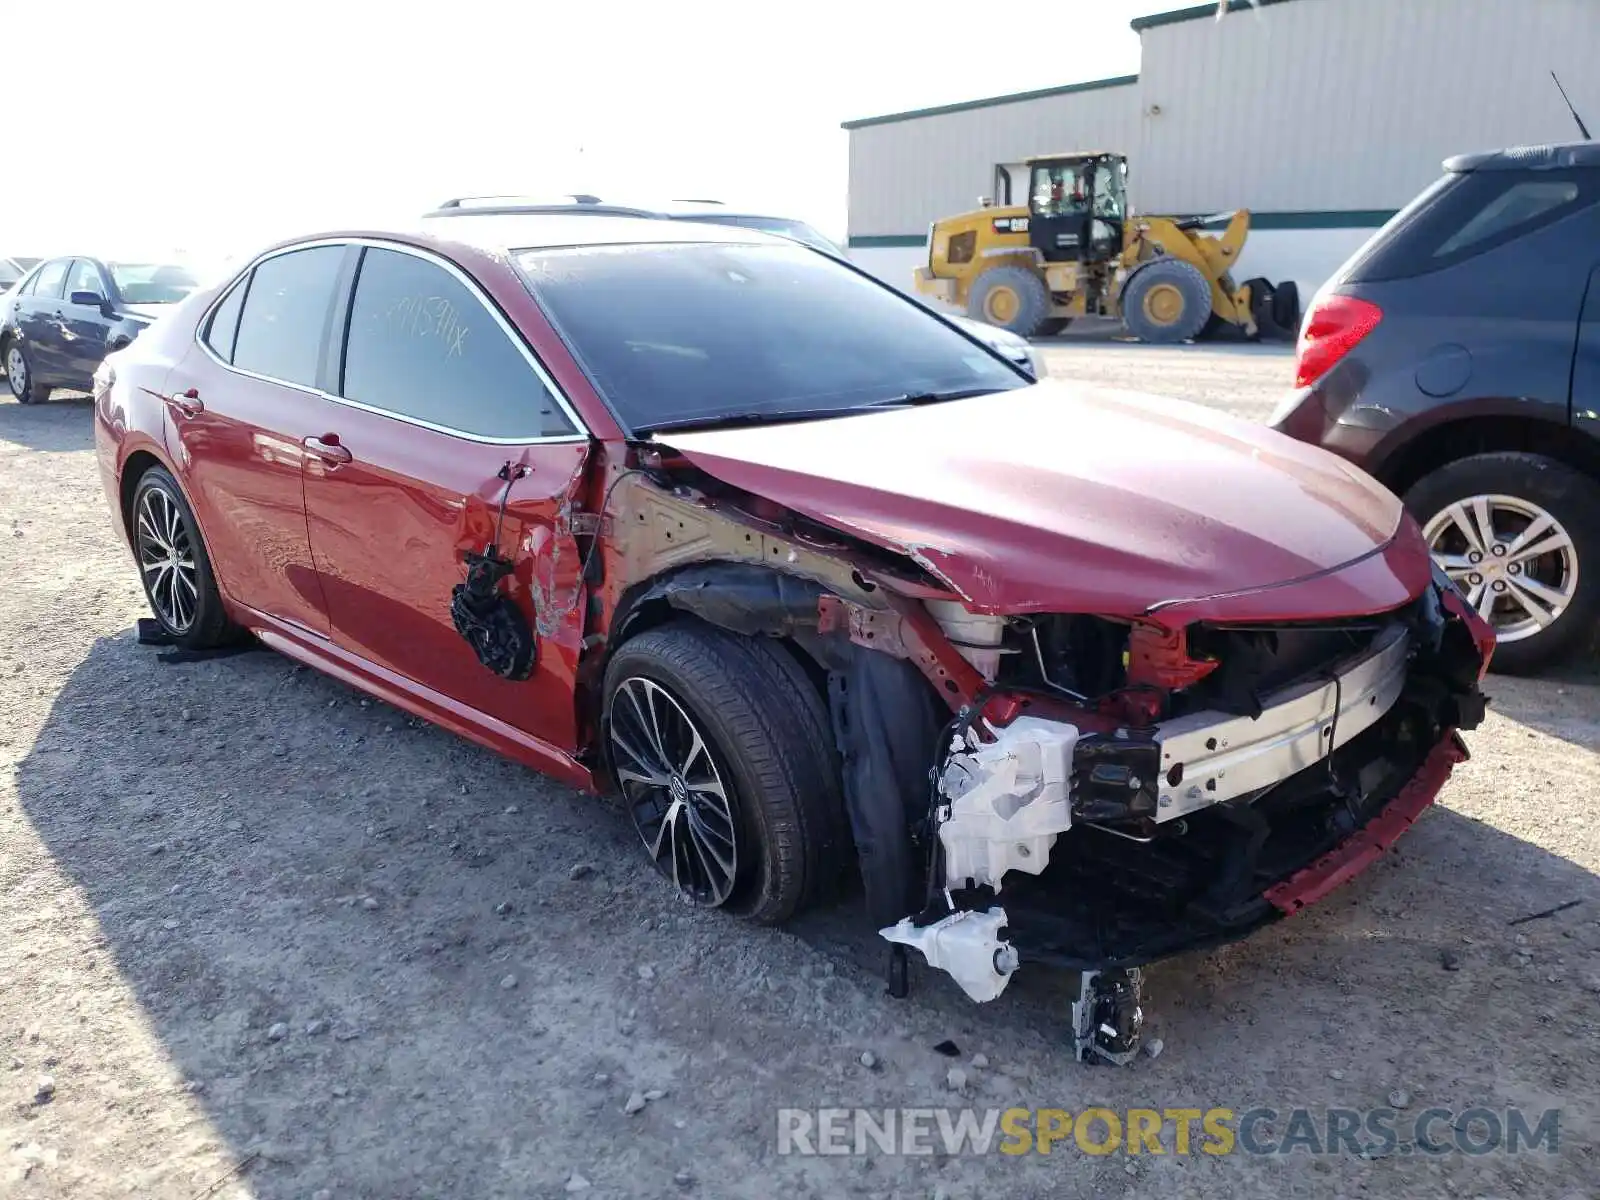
(692, 332)
(152, 283)
(10, 272)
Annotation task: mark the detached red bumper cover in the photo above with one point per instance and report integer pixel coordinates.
(1363, 848)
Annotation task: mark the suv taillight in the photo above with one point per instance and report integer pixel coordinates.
(1332, 327)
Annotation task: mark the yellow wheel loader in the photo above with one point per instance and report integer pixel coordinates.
(1073, 251)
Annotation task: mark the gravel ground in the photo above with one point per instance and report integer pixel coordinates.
(262, 938)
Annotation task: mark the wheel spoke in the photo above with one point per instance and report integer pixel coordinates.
(1454, 565)
(1521, 552)
(148, 530)
(701, 848)
(647, 724)
(171, 511)
(1531, 532)
(1485, 604)
(1483, 518)
(648, 769)
(1462, 519)
(1524, 599)
(183, 605)
(663, 833)
(1555, 598)
(696, 748)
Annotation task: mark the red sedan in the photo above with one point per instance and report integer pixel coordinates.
(814, 579)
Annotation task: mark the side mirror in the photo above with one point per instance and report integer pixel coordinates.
(89, 299)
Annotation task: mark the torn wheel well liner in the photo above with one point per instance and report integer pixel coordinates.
(885, 715)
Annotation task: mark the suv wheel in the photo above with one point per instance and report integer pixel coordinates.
(1520, 536)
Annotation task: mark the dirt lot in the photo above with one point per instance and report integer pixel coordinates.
(250, 922)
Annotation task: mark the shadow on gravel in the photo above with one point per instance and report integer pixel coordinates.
(365, 946)
(1559, 703)
(62, 424)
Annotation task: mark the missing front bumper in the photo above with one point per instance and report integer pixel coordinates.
(1209, 757)
(1284, 807)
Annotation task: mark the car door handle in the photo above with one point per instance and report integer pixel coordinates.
(187, 403)
(328, 448)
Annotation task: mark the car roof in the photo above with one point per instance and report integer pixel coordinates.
(591, 205)
(1553, 156)
(505, 232)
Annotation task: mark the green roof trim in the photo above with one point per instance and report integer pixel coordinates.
(1092, 85)
(1177, 15)
(1347, 218)
(888, 241)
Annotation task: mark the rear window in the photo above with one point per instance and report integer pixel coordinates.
(1463, 216)
(691, 332)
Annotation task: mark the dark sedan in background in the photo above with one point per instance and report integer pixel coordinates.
(67, 314)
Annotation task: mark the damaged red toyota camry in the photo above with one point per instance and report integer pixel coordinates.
(814, 580)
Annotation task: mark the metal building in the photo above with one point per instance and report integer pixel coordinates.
(1320, 116)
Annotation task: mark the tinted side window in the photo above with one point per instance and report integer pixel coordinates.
(224, 324)
(423, 345)
(1466, 215)
(280, 330)
(85, 277)
(50, 278)
(1519, 207)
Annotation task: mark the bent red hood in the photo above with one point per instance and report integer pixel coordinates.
(1060, 498)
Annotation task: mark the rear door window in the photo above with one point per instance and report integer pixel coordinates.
(51, 278)
(224, 324)
(286, 314)
(423, 345)
(1465, 215)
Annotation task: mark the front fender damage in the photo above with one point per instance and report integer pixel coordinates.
(995, 826)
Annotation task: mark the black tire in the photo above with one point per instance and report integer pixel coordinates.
(24, 386)
(1286, 308)
(766, 730)
(1166, 279)
(207, 625)
(1052, 326)
(1572, 499)
(1032, 300)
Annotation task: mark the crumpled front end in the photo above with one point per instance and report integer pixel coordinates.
(1224, 782)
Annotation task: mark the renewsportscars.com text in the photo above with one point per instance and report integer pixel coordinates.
(1370, 1133)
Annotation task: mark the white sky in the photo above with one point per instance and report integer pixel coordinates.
(215, 126)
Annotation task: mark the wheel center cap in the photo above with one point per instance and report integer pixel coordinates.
(679, 789)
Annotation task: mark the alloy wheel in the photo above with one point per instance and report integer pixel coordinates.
(166, 560)
(674, 791)
(17, 371)
(1515, 563)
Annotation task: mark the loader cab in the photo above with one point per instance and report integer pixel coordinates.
(1076, 206)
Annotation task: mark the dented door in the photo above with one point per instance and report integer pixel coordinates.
(434, 386)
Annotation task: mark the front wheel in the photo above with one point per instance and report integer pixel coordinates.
(1519, 534)
(1166, 301)
(720, 748)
